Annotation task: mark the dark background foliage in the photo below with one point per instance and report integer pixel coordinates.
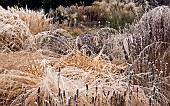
(155, 2)
(45, 4)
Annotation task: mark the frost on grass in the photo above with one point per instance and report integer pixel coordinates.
(73, 77)
(13, 32)
(149, 53)
(154, 27)
(17, 27)
(37, 21)
(105, 42)
(70, 83)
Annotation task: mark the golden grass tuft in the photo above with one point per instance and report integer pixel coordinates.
(37, 21)
(78, 59)
(14, 33)
(38, 78)
(77, 70)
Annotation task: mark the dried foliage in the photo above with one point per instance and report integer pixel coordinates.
(88, 69)
(31, 17)
(13, 32)
(154, 27)
(148, 51)
(98, 15)
(73, 83)
(154, 31)
(105, 42)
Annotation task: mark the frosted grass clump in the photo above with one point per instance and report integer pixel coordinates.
(37, 21)
(13, 33)
(69, 85)
(151, 42)
(147, 46)
(154, 27)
